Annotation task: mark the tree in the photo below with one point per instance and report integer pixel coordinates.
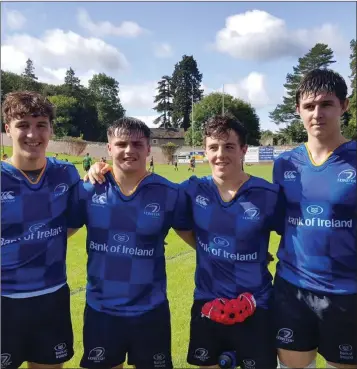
(29, 71)
(29, 79)
(169, 150)
(266, 136)
(296, 132)
(10, 82)
(88, 124)
(194, 137)
(212, 105)
(282, 137)
(105, 91)
(163, 99)
(85, 115)
(320, 56)
(65, 108)
(186, 82)
(350, 130)
(14, 82)
(72, 84)
(50, 90)
(353, 63)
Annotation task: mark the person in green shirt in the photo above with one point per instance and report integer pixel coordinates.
(87, 162)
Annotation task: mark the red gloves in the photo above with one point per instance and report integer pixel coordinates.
(228, 312)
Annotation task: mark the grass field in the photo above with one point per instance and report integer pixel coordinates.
(180, 269)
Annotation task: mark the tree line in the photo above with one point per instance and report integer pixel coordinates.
(320, 56)
(179, 101)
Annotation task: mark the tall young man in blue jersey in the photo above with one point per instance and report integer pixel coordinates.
(232, 215)
(315, 285)
(127, 219)
(35, 300)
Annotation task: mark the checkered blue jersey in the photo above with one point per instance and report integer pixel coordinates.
(34, 227)
(232, 238)
(126, 272)
(318, 249)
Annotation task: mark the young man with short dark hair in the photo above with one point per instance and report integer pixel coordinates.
(231, 214)
(35, 298)
(127, 217)
(315, 283)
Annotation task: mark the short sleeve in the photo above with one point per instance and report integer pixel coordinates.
(277, 217)
(276, 171)
(76, 208)
(183, 219)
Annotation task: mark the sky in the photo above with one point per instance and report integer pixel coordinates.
(249, 47)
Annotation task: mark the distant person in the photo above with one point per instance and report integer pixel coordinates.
(175, 165)
(151, 165)
(103, 160)
(55, 156)
(87, 162)
(4, 157)
(192, 164)
(66, 160)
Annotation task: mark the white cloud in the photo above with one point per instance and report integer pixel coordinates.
(53, 76)
(252, 89)
(258, 35)
(140, 96)
(148, 120)
(58, 50)
(12, 59)
(163, 50)
(56, 76)
(125, 29)
(14, 19)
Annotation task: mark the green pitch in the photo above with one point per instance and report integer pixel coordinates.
(180, 261)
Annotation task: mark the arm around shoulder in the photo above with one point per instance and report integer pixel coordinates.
(188, 237)
(183, 217)
(76, 208)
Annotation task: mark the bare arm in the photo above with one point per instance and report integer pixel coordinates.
(96, 173)
(72, 231)
(188, 237)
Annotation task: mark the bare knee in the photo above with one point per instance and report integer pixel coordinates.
(296, 359)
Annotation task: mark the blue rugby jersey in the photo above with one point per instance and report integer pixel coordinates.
(34, 227)
(232, 238)
(318, 249)
(126, 273)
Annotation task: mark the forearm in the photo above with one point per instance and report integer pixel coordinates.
(188, 237)
(71, 231)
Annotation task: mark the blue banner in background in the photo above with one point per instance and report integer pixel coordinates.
(277, 152)
(266, 153)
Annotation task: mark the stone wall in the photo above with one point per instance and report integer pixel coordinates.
(96, 149)
(99, 149)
